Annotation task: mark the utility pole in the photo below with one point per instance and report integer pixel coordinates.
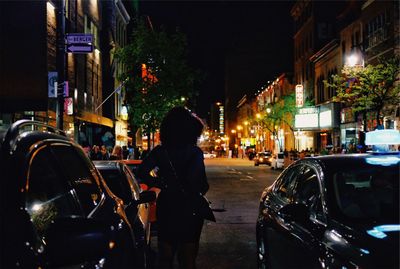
(60, 62)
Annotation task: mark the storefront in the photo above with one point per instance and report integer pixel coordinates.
(92, 129)
(306, 124)
(317, 127)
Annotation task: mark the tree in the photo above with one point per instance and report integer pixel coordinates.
(369, 89)
(281, 113)
(157, 76)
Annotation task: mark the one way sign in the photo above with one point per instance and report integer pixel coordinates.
(79, 43)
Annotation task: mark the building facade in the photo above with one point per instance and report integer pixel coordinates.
(27, 87)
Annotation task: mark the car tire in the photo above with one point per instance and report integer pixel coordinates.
(261, 253)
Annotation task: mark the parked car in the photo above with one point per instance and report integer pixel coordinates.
(332, 212)
(263, 158)
(133, 165)
(208, 155)
(278, 160)
(56, 209)
(123, 183)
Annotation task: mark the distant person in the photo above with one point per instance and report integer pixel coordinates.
(95, 153)
(116, 154)
(181, 165)
(104, 153)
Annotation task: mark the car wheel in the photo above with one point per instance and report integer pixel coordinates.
(261, 253)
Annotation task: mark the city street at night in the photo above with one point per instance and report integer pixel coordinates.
(207, 134)
(235, 189)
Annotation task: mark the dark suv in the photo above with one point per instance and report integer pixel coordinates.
(56, 210)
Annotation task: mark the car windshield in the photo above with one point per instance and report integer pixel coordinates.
(368, 192)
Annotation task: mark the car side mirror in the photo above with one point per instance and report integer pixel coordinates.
(294, 212)
(75, 240)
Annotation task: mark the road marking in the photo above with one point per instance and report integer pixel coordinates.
(248, 179)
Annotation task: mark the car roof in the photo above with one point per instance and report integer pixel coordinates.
(333, 162)
(108, 164)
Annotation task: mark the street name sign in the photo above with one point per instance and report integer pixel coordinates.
(79, 43)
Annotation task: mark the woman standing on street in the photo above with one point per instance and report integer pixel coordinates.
(116, 154)
(180, 165)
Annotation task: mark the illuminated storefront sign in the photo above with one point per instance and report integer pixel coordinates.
(221, 119)
(312, 117)
(325, 119)
(299, 95)
(306, 121)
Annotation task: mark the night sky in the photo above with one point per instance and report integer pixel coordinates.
(252, 40)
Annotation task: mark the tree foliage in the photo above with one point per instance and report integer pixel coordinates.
(157, 75)
(281, 113)
(373, 88)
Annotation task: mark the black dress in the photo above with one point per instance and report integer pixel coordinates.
(177, 222)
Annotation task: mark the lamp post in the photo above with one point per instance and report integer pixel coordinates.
(356, 61)
(60, 56)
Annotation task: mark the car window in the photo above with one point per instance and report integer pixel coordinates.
(48, 194)
(287, 183)
(308, 191)
(118, 183)
(78, 171)
(369, 191)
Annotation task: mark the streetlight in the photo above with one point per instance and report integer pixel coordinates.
(355, 60)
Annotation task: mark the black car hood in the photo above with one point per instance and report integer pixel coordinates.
(367, 245)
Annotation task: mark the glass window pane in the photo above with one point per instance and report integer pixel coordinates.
(78, 171)
(48, 196)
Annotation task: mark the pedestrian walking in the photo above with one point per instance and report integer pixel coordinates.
(181, 167)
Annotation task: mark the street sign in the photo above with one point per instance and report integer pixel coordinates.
(52, 78)
(79, 43)
(79, 38)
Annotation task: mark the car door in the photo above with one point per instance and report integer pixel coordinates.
(307, 232)
(96, 203)
(282, 250)
(48, 196)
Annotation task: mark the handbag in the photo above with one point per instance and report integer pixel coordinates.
(201, 207)
(200, 204)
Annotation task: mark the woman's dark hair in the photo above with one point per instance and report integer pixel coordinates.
(180, 128)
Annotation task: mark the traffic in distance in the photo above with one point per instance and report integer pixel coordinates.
(63, 210)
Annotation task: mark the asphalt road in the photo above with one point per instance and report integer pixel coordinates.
(235, 189)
